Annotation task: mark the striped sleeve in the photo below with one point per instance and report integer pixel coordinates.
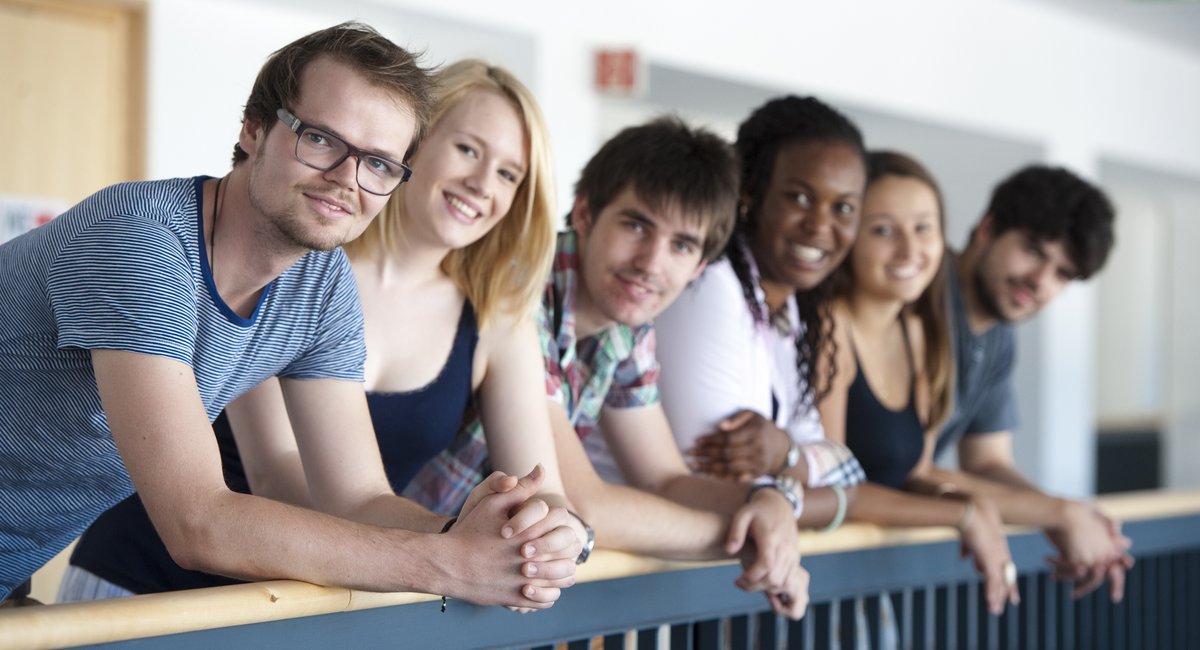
(124, 284)
(338, 350)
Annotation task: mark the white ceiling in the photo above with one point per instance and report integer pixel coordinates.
(1176, 22)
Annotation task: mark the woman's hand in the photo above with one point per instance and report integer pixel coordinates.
(745, 445)
(983, 538)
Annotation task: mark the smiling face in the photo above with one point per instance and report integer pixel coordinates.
(808, 217)
(308, 209)
(1017, 274)
(634, 261)
(900, 243)
(467, 172)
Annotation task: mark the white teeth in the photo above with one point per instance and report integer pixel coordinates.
(904, 272)
(462, 207)
(335, 207)
(808, 253)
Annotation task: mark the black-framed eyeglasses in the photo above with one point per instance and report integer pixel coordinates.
(322, 150)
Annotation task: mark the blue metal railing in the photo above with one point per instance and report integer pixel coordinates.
(932, 599)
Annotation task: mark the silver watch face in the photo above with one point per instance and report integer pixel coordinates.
(793, 456)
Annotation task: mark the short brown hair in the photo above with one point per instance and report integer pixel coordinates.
(668, 163)
(381, 61)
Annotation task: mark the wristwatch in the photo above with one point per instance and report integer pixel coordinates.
(789, 487)
(793, 456)
(587, 545)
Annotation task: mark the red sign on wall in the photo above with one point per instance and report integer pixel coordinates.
(618, 73)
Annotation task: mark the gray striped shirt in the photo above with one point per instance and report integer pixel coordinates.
(126, 270)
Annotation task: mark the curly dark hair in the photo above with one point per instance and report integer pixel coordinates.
(1054, 204)
(783, 121)
(381, 61)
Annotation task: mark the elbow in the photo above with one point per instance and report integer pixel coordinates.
(191, 542)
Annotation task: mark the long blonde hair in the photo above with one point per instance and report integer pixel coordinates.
(505, 270)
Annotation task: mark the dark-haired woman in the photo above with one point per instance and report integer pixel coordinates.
(738, 347)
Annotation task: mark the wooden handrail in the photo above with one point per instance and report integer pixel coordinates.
(199, 609)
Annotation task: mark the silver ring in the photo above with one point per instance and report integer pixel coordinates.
(1010, 573)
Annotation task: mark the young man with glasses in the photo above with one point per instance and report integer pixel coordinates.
(139, 314)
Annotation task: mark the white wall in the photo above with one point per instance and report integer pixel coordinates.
(204, 55)
(1183, 419)
(1134, 297)
(1012, 70)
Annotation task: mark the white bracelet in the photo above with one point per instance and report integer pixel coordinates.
(840, 515)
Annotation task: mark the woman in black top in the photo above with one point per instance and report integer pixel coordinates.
(891, 382)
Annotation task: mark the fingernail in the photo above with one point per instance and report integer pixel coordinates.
(506, 532)
(529, 591)
(530, 569)
(528, 550)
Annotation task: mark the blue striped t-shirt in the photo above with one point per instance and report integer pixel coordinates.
(126, 269)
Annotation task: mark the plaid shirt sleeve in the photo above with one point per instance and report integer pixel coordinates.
(831, 463)
(635, 381)
(556, 380)
(444, 483)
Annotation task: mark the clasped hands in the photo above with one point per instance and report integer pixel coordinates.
(512, 548)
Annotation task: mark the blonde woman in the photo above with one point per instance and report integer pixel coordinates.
(449, 276)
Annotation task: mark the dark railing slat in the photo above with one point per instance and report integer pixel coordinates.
(768, 631)
(1135, 599)
(901, 611)
(921, 619)
(739, 633)
(1084, 609)
(647, 639)
(579, 644)
(848, 623)
(1150, 602)
(707, 635)
(614, 641)
(797, 634)
(1179, 597)
(872, 610)
(1119, 624)
(681, 637)
(822, 614)
(1193, 600)
(1028, 614)
(1049, 612)
(1066, 615)
(1103, 617)
(943, 624)
(964, 615)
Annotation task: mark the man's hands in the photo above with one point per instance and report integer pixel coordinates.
(745, 445)
(510, 548)
(983, 538)
(763, 535)
(1091, 548)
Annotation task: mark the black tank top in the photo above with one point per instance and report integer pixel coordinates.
(887, 443)
(122, 547)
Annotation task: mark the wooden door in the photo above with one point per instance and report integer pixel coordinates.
(72, 112)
